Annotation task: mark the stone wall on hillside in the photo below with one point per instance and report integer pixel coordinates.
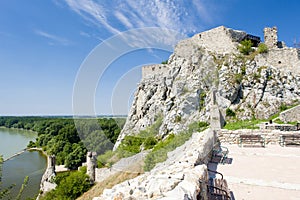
(271, 136)
(290, 115)
(286, 59)
(152, 70)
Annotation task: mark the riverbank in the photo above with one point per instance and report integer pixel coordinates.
(19, 129)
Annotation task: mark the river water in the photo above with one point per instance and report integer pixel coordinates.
(31, 164)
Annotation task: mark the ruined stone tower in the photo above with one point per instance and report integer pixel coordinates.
(47, 182)
(270, 37)
(51, 163)
(91, 163)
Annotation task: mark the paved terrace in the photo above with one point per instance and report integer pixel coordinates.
(262, 173)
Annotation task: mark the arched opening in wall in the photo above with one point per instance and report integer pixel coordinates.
(279, 62)
(153, 68)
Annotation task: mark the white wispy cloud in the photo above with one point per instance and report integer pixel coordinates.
(53, 38)
(185, 16)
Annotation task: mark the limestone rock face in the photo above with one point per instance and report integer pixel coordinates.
(249, 85)
(180, 96)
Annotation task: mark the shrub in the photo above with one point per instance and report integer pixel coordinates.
(262, 48)
(130, 145)
(246, 47)
(283, 107)
(243, 69)
(230, 113)
(164, 62)
(177, 118)
(238, 78)
(149, 143)
(203, 124)
(202, 97)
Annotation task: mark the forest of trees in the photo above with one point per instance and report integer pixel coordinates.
(69, 139)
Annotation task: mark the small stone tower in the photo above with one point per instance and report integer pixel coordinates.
(91, 163)
(51, 163)
(270, 37)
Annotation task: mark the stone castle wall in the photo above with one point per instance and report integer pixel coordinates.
(281, 58)
(157, 69)
(220, 40)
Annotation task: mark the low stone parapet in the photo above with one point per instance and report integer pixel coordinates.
(271, 136)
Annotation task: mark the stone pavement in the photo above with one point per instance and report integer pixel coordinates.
(262, 173)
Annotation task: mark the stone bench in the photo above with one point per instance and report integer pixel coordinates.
(289, 139)
(251, 139)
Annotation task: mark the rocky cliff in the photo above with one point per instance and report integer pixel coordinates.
(211, 59)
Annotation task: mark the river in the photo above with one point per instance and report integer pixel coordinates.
(31, 164)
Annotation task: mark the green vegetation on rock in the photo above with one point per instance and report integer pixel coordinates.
(262, 48)
(246, 47)
(230, 113)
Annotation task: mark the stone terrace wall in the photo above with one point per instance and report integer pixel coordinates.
(157, 69)
(290, 115)
(271, 136)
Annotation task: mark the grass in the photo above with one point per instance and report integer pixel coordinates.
(245, 124)
(252, 124)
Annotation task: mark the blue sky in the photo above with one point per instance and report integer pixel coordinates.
(44, 43)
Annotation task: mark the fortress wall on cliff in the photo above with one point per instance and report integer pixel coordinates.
(156, 69)
(220, 40)
(281, 58)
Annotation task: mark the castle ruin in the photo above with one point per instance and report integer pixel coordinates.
(222, 41)
(279, 55)
(156, 69)
(270, 37)
(91, 163)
